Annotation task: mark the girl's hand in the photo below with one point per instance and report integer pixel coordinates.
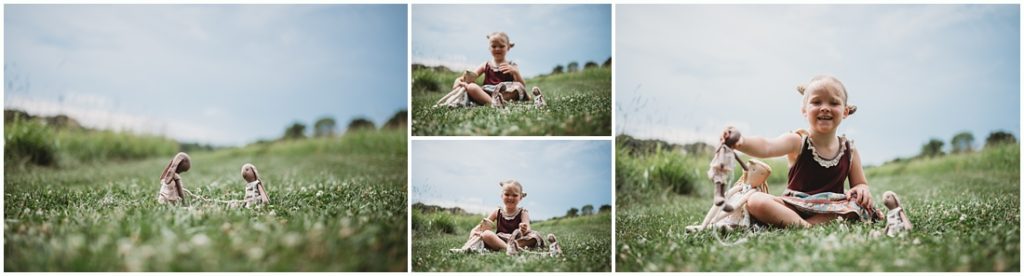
(508, 69)
(731, 137)
(860, 194)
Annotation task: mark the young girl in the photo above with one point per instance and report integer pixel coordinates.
(497, 71)
(509, 219)
(819, 163)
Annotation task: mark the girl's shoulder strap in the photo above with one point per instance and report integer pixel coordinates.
(802, 132)
(803, 145)
(849, 142)
(803, 138)
(495, 214)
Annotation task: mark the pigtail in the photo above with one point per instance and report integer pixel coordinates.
(168, 171)
(180, 163)
(743, 179)
(838, 84)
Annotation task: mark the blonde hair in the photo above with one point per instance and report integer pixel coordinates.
(743, 177)
(503, 36)
(513, 182)
(831, 83)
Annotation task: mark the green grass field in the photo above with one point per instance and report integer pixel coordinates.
(32, 142)
(965, 210)
(579, 103)
(338, 205)
(586, 242)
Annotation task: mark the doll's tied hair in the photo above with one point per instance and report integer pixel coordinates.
(503, 36)
(513, 182)
(180, 163)
(829, 82)
(250, 174)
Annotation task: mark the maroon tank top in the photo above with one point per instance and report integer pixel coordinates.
(808, 176)
(506, 225)
(493, 76)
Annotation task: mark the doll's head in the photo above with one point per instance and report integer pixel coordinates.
(825, 103)
(486, 224)
(469, 76)
(511, 192)
(179, 164)
(756, 175)
(890, 200)
(499, 44)
(249, 173)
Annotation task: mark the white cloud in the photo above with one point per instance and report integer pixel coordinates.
(468, 205)
(83, 108)
(247, 70)
(453, 62)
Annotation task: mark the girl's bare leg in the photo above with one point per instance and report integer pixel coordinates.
(492, 240)
(477, 94)
(771, 210)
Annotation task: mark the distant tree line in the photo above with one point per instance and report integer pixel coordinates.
(586, 210)
(963, 142)
(573, 66)
(327, 127)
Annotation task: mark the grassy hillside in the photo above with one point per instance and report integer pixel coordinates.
(586, 242)
(34, 142)
(579, 103)
(965, 210)
(338, 205)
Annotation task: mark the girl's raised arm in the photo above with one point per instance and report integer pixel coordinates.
(761, 147)
(493, 217)
(526, 219)
(479, 72)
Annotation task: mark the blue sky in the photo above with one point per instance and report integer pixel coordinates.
(545, 35)
(222, 74)
(556, 175)
(915, 71)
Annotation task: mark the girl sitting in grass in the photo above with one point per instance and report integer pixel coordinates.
(500, 75)
(819, 163)
(509, 219)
